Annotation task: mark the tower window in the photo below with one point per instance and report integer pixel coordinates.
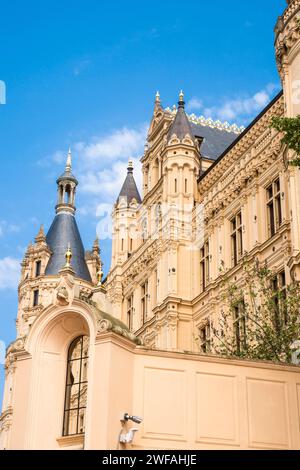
(185, 185)
(274, 208)
(38, 266)
(175, 185)
(130, 312)
(204, 266)
(144, 301)
(236, 239)
(36, 298)
(76, 387)
(122, 245)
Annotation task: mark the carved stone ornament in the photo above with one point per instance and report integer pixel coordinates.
(62, 295)
(104, 325)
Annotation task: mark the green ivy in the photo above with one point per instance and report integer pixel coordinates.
(291, 128)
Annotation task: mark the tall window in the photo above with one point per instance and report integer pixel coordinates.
(130, 312)
(36, 295)
(279, 298)
(274, 207)
(236, 239)
(38, 266)
(204, 266)
(205, 338)
(76, 387)
(175, 185)
(144, 301)
(240, 327)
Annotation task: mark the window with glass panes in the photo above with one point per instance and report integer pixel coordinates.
(144, 301)
(205, 338)
(204, 266)
(236, 239)
(274, 207)
(240, 327)
(130, 312)
(279, 299)
(76, 387)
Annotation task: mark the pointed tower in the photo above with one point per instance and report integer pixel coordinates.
(181, 161)
(124, 219)
(64, 231)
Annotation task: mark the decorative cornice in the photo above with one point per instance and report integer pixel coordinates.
(209, 122)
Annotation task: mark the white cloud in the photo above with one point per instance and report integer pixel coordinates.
(100, 165)
(9, 273)
(194, 104)
(8, 228)
(242, 108)
(121, 144)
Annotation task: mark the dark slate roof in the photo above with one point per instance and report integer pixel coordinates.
(63, 231)
(67, 175)
(215, 140)
(129, 188)
(181, 126)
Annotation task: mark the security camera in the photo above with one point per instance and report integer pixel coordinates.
(135, 419)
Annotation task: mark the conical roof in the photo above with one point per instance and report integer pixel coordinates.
(129, 189)
(63, 232)
(181, 125)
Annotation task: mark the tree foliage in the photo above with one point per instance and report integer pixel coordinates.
(291, 128)
(270, 316)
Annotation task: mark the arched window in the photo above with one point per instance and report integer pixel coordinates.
(76, 387)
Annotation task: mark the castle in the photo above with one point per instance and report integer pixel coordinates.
(89, 350)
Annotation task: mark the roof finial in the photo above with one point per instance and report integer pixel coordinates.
(130, 166)
(157, 97)
(68, 256)
(181, 102)
(69, 162)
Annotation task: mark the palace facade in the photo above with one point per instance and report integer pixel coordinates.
(89, 351)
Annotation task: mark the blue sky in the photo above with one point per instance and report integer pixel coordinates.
(85, 74)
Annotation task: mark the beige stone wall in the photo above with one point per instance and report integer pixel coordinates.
(186, 401)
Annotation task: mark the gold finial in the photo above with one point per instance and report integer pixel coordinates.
(99, 274)
(69, 162)
(157, 97)
(181, 96)
(68, 256)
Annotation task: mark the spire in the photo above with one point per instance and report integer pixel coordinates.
(67, 184)
(129, 189)
(157, 100)
(96, 247)
(41, 237)
(181, 102)
(69, 162)
(181, 125)
(63, 236)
